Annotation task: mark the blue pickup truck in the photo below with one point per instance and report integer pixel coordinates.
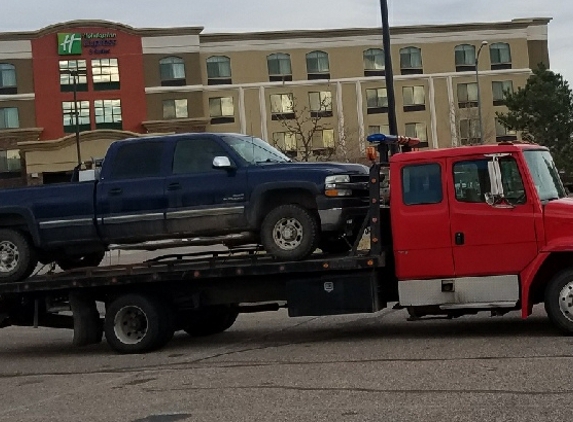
(177, 186)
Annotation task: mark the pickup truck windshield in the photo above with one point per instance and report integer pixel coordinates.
(255, 150)
(545, 175)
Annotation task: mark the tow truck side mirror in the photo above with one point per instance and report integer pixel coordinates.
(496, 194)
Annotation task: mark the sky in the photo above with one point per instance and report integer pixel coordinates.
(249, 15)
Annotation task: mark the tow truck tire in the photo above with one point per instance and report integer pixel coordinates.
(212, 320)
(136, 323)
(289, 232)
(18, 257)
(559, 301)
(90, 260)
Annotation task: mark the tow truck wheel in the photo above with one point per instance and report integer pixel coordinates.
(18, 257)
(89, 260)
(211, 320)
(136, 323)
(559, 301)
(289, 232)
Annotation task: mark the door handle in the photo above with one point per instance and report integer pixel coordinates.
(460, 238)
(115, 191)
(174, 186)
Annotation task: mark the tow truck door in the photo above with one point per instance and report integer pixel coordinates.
(490, 240)
(420, 221)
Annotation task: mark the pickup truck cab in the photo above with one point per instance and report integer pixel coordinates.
(184, 185)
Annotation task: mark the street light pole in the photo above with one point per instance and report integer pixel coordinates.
(77, 115)
(483, 44)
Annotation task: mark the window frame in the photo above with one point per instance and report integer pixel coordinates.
(4, 120)
(468, 102)
(224, 74)
(7, 88)
(5, 171)
(406, 55)
(428, 202)
(169, 67)
(369, 62)
(115, 123)
(321, 111)
(465, 65)
(175, 108)
(421, 132)
(280, 59)
(282, 145)
(497, 62)
(321, 71)
(330, 145)
(282, 114)
(472, 123)
(501, 101)
(79, 66)
(414, 106)
(83, 113)
(111, 81)
(222, 117)
(381, 106)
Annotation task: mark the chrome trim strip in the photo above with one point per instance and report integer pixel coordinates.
(68, 222)
(132, 218)
(205, 212)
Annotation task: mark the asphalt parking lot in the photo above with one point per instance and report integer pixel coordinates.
(269, 367)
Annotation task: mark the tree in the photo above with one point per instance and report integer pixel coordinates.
(543, 111)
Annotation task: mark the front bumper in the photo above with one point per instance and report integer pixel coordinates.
(342, 215)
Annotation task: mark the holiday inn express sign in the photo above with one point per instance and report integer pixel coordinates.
(74, 43)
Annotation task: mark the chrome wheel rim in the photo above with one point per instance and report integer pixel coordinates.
(288, 233)
(566, 301)
(130, 325)
(9, 256)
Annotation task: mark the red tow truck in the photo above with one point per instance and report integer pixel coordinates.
(469, 229)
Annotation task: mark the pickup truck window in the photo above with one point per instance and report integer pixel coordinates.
(422, 184)
(471, 181)
(196, 156)
(254, 150)
(137, 160)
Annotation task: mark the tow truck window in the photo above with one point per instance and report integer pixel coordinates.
(471, 181)
(422, 184)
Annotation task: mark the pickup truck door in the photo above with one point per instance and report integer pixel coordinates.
(490, 240)
(420, 221)
(130, 198)
(203, 200)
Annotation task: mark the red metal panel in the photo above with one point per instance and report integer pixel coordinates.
(127, 49)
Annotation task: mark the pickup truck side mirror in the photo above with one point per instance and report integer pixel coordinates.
(222, 162)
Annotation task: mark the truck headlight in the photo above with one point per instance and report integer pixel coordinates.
(332, 185)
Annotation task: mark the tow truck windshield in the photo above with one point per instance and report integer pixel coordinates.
(545, 175)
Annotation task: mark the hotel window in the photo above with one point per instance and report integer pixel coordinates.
(465, 58)
(469, 131)
(500, 90)
(9, 118)
(417, 130)
(69, 116)
(218, 70)
(323, 139)
(500, 55)
(285, 141)
(414, 98)
(172, 71)
(175, 109)
(282, 106)
(317, 66)
(411, 61)
(108, 114)
(222, 110)
(385, 129)
(504, 134)
(279, 67)
(105, 74)
(376, 101)
(7, 79)
(374, 62)
(10, 163)
(69, 68)
(467, 95)
(320, 104)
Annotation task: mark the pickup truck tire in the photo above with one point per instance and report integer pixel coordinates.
(136, 323)
(289, 232)
(559, 301)
(212, 320)
(89, 260)
(18, 257)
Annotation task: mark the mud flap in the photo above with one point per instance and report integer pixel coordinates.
(88, 327)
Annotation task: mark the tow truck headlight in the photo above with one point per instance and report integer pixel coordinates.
(332, 185)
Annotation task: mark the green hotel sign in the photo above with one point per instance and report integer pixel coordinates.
(69, 44)
(73, 43)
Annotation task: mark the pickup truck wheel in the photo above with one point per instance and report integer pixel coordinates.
(289, 232)
(18, 257)
(137, 324)
(559, 301)
(89, 260)
(212, 320)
